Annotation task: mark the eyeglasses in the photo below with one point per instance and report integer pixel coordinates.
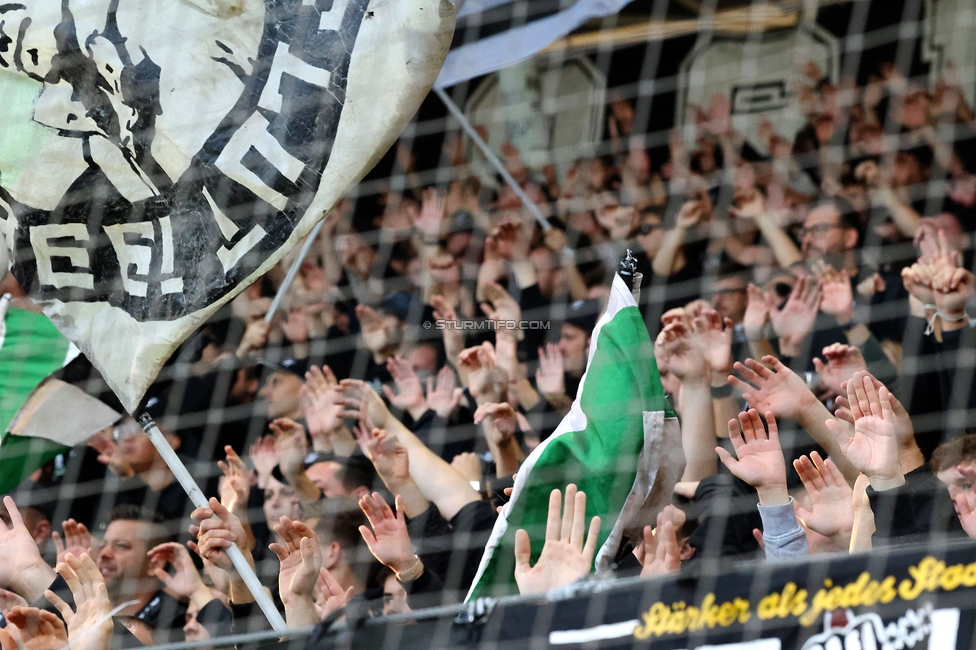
(647, 228)
(819, 230)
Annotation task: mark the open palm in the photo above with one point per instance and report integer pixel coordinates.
(873, 450)
(772, 387)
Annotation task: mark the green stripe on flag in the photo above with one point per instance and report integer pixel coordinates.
(620, 385)
(32, 348)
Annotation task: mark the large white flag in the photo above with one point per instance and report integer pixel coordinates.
(157, 156)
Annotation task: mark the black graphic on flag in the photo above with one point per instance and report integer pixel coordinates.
(142, 224)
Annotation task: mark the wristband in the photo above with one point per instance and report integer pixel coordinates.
(880, 484)
(412, 573)
(720, 392)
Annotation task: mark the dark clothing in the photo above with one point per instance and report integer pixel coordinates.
(920, 507)
(164, 613)
(726, 510)
(453, 549)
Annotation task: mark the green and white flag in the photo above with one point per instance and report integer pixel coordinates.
(619, 443)
(40, 416)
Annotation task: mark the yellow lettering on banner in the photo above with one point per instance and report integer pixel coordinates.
(679, 618)
(928, 575)
(790, 602)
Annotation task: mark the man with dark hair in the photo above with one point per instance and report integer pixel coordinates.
(343, 553)
(336, 476)
(830, 230)
(130, 574)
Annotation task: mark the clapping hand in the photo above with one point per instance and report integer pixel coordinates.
(35, 629)
(794, 322)
(565, 558)
(842, 362)
(185, 583)
(90, 624)
(77, 540)
(499, 420)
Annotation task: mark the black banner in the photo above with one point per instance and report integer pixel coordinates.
(885, 600)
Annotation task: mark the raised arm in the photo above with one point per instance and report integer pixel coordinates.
(774, 387)
(438, 481)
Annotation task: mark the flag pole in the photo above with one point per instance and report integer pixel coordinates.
(292, 272)
(493, 159)
(200, 501)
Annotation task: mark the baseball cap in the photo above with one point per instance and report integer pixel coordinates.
(288, 365)
(583, 314)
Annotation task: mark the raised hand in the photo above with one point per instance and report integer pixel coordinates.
(565, 558)
(757, 312)
(301, 558)
(760, 460)
(685, 358)
(388, 540)
(873, 450)
(291, 446)
(842, 362)
(442, 309)
(389, 457)
(831, 512)
(478, 370)
(329, 596)
(838, 295)
(409, 395)
(265, 458)
(37, 629)
(372, 328)
(445, 396)
(235, 484)
(500, 306)
(432, 211)
(89, 625)
(322, 402)
(22, 569)
(550, 378)
(772, 387)
(714, 337)
(499, 420)
(77, 540)
(660, 554)
(794, 322)
(216, 534)
(952, 288)
(361, 402)
(185, 583)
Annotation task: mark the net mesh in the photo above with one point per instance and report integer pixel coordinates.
(794, 179)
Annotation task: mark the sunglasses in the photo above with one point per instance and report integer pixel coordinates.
(647, 228)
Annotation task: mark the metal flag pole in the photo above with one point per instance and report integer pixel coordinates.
(492, 158)
(292, 272)
(200, 501)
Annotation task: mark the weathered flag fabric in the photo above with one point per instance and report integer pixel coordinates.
(619, 443)
(157, 156)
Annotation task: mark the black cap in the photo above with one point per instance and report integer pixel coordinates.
(397, 304)
(583, 314)
(289, 366)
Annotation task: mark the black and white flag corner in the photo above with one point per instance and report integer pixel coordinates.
(157, 156)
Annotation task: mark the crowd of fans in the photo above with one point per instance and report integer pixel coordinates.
(808, 299)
